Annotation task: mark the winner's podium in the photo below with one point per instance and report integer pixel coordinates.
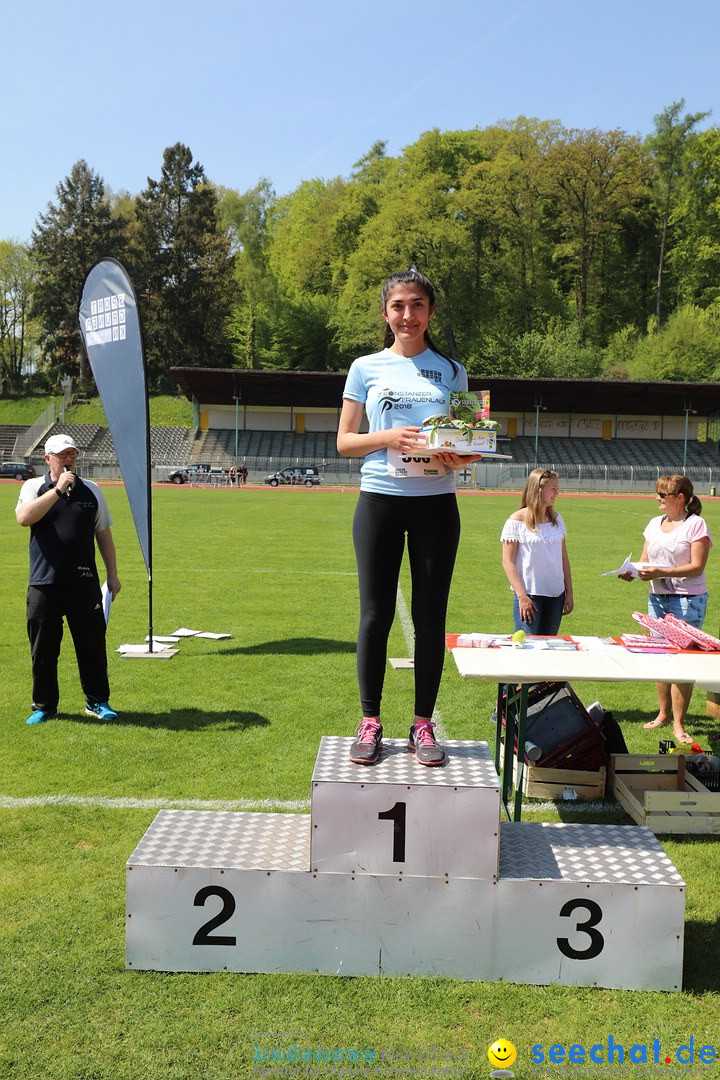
(402, 869)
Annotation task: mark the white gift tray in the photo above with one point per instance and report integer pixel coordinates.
(456, 450)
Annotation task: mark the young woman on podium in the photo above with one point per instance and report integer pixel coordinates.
(402, 494)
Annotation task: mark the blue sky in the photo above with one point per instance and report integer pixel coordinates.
(292, 91)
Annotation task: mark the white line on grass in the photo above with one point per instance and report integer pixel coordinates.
(409, 633)
(250, 570)
(223, 570)
(10, 802)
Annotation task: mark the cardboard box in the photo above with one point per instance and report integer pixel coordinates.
(451, 438)
(658, 791)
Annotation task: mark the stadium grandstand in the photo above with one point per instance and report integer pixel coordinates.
(596, 434)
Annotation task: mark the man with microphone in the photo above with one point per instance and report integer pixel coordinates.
(66, 515)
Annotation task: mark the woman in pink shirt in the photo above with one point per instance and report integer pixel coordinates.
(677, 545)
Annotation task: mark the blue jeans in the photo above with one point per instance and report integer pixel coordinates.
(691, 609)
(548, 613)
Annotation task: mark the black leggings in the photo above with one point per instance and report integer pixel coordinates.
(432, 524)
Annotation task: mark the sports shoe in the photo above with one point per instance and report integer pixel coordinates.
(39, 716)
(366, 748)
(101, 710)
(421, 741)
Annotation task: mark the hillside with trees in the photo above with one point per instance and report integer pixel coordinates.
(556, 252)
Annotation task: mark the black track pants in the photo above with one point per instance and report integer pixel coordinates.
(432, 525)
(46, 606)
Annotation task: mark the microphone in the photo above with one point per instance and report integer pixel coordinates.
(69, 487)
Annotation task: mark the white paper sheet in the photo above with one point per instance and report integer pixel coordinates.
(215, 637)
(184, 632)
(106, 601)
(138, 650)
(628, 567)
(596, 644)
(156, 654)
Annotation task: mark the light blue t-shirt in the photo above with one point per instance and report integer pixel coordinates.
(398, 391)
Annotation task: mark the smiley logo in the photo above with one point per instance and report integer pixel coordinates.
(501, 1054)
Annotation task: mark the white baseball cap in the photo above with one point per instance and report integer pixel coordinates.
(57, 443)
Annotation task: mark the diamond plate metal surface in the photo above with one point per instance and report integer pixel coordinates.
(625, 854)
(225, 840)
(468, 764)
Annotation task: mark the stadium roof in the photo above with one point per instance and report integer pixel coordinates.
(307, 389)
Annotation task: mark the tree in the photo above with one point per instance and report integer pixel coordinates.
(361, 200)
(304, 249)
(695, 256)
(17, 283)
(669, 148)
(505, 210)
(69, 238)
(182, 269)
(596, 181)
(245, 219)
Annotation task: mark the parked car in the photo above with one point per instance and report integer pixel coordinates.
(295, 474)
(178, 476)
(18, 470)
(183, 473)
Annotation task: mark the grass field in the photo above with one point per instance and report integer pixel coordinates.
(238, 723)
(166, 410)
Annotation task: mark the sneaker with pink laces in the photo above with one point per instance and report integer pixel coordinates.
(422, 742)
(366, 748)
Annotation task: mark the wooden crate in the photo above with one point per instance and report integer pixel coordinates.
(539, 783)
(658, 791)
(713, 703)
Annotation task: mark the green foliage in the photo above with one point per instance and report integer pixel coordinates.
(685, 349)
(695, 259)
(670, 147)
(561, 353)
(18, 331)
(597, 181)
(245, 219)
(620, 353)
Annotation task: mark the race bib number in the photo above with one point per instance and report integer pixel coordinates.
(404, 465)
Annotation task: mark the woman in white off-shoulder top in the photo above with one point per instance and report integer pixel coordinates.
(535, 559)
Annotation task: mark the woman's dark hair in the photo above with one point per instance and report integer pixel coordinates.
(412, 277)
(678, 484)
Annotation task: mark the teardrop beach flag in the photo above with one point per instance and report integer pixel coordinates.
(110, 329)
